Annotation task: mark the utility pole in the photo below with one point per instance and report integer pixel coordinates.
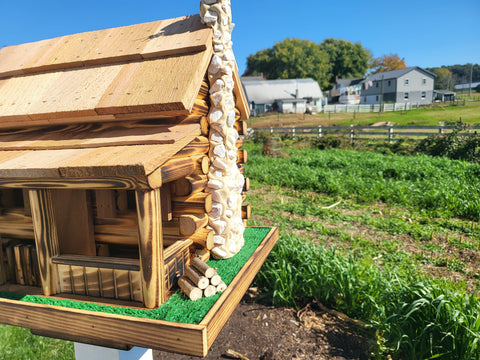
(471, 75)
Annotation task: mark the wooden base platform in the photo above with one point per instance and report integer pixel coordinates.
(123, 332)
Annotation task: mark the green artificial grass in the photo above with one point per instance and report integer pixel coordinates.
(178, 308)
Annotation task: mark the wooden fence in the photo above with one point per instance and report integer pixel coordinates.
(366, 108)
(386, 133)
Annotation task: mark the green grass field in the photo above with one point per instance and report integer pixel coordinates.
(470, 113)
(391, 240)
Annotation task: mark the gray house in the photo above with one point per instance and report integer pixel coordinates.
(410, 85)
(287, 96)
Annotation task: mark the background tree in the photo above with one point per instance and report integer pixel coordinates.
(348, 60)
(444, 79)
(387, 63)
(291, 58)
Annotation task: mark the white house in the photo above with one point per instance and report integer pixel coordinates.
(287, 96)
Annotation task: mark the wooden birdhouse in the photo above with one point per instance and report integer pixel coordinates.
(104, 164)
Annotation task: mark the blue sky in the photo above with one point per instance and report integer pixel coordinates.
(425, 33)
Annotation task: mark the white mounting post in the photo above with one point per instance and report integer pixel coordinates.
(92, 352)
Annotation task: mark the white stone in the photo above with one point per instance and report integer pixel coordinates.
(217, 210)
(232, 200)
(219, 164)
(210, 17)
(229, 102)
(233, 247)
(219, 226)
(229, 83)
(218, 240)
(228, 55)
(219, 253)
(232, 154)
(228, 213)
(217, 35)
(227, 70)
(218, 48)
(216, 115)
(217, 196)
(231, 118)
(215, 64)
(219, 85)
(216, 137)
(215, 184)
(217, 98)
(240, 180)
(219, 173)
(231, 140)
(220, 151)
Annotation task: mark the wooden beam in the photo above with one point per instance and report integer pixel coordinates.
(46, 238)
(151, 247)
(127, 183)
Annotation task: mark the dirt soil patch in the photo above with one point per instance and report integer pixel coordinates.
(256, 331)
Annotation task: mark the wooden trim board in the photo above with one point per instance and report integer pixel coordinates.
(124, 331)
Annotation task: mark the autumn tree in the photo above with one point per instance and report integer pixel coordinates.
(348, 60)
(444, 79)
(387, 63)
(291, 58)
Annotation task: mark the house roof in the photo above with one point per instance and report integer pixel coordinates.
(154, 68)
(397, 73)
(349, 82)
(267, 91)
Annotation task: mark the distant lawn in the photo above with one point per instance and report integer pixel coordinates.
(470, 113)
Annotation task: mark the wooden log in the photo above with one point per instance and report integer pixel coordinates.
(239, 143)
(26, 203)
(110, 234)
(241, 169)
(189, 289)
(221, 287)
(204, 126)
(241, 127)
(199, 200)
(196, 277)
(106, 203)
(151, 247)
(200, 107)
(246, 185)
(173, 250)
(202, 254)
(189, 224)
(241, 156)
(203, 267)
(197, 119)
(189, 185)
(27, 265)
(204, 90)
(238, 115)
(10, 262)
(19, 276)
(46, 238)
(166, 199)
(246, 211)
(202, 165)
(3, 266)
(215, 280)
(177, 168)
(200, 145)
(210, 290)
(203, 238)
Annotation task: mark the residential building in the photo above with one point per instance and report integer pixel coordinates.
(287, 96)
(410, 85)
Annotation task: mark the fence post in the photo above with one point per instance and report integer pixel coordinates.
(319, 131)
(351, 134)
(271, 130)
(390, 134)
(440, 128)
(293, 132)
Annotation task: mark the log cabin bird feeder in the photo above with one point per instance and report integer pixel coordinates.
(119, 164)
